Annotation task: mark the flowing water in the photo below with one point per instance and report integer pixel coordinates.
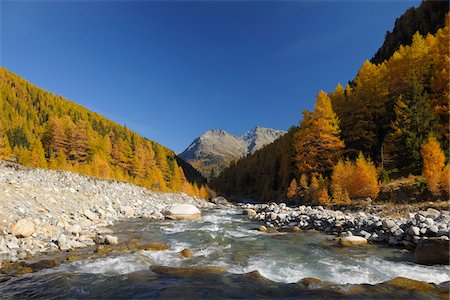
(225, 238)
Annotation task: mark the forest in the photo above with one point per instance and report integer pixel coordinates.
(390, 121)
(39, 129)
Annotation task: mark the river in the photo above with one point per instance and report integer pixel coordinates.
(227, 239)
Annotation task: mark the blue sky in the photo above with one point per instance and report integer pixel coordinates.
(172, 70)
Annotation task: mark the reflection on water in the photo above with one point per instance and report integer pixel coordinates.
(224, 238)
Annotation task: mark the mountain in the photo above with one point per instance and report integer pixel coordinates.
(216, 149)
(40, 129)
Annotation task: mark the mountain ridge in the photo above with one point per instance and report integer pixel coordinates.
(215, 149)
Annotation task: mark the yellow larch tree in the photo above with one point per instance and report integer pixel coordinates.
(433, 164)
(317, 144)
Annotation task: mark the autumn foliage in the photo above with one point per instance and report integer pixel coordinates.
(434, 169)
(317, 144)
(354, 180)
(40, 129)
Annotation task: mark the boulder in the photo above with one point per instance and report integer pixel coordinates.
(111, 240)
(90, 215)
(220, 200)
(433, 251)
(23, 228)
(249, 212)
(183, 212)
(352, 241)
(74, 229)
(262, 228)
(186, 253)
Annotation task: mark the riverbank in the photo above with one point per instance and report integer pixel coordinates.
(45, 211)
(429, 226)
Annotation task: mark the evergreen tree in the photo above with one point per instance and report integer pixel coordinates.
(414, 120)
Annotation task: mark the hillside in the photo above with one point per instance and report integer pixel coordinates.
(386, 114)
(427, 18)
(40, 129)
(216, 149)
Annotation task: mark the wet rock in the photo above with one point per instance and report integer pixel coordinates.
(152, 247)
(186, 253)
(249, 212)
(352, 241)
(183, 212)
(296, 229)
(433, 251)
(111, 240)
(194, 272)
(262, 228)
(409, 284)
(42, 264)
(22, 229)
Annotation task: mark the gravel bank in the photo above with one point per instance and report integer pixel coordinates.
(430, 223)
(43, 210)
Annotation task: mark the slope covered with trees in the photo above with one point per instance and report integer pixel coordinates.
(384, 117)
(40, 129)
(427, 18)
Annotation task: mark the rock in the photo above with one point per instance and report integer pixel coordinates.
(429, 221)
(127, 211)
(12, 245)
(90, 215)
(271, 216)
(409, 284)
(432, 213)
(186, 253)
(352, 241)
(151, 247)
(414, 230)
(296, 229)
(111, 240)
(74, 229)
(183, 212)
(262, 228)
(193, 272)
(388, 224)
(63, 243)
(220, 200)
(433, 251)
(433, 229)
(22, 229)
(249, 212)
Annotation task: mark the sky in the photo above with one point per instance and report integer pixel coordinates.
(171, 70)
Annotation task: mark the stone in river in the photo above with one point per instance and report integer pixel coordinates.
(262, 228)
(183, 212)
(111, 240)
(186, 253)
(433, 251)
(352, 241)
(249, 212)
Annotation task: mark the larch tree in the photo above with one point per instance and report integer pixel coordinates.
(433, 165)
(293, 189)
(317, 144)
